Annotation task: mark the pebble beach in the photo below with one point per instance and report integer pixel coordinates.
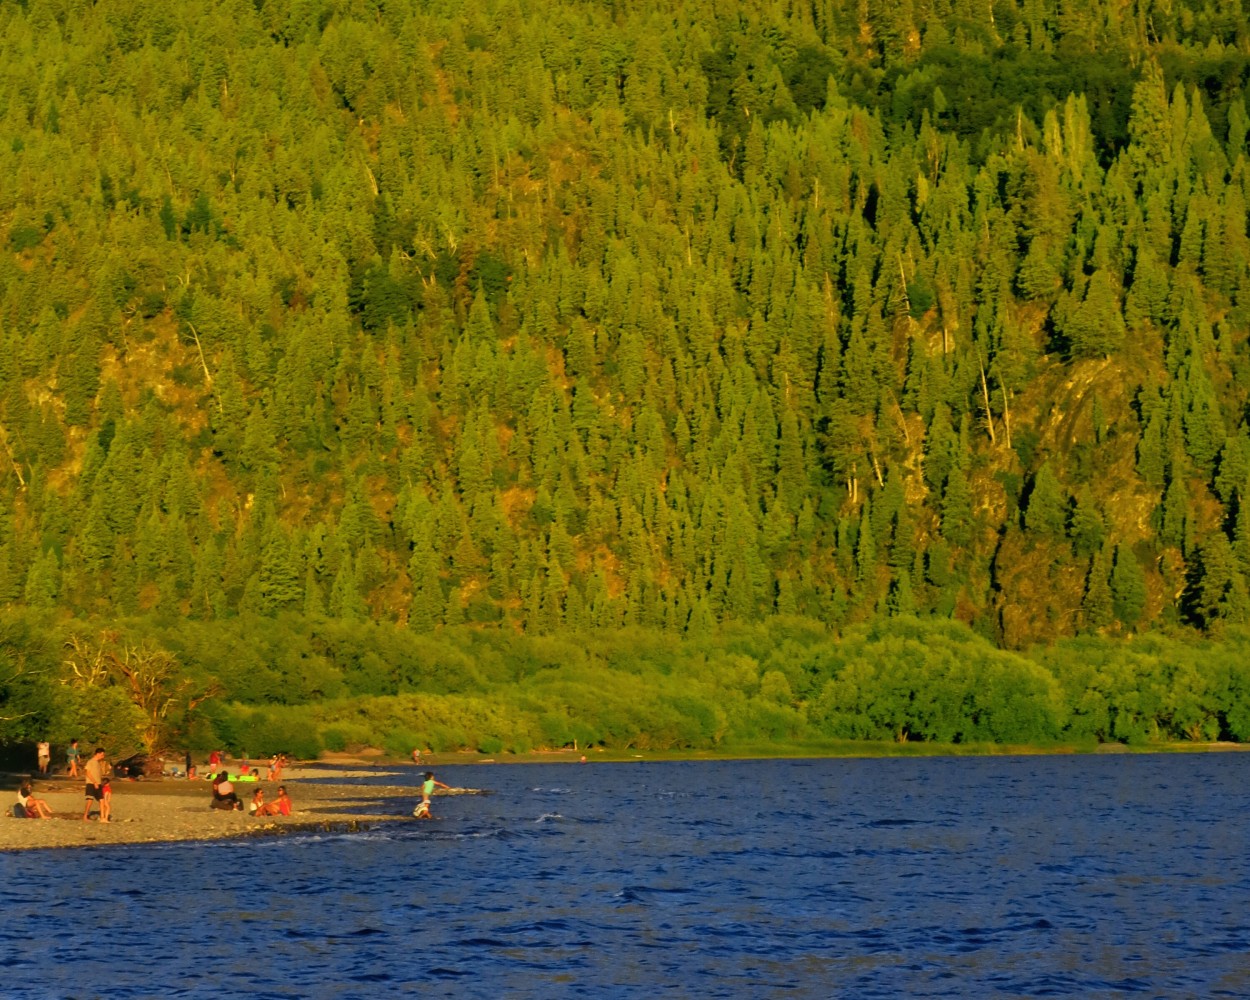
(173, 809)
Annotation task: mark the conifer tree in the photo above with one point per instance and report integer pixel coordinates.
(1128, 587)
(957, 509)
(43, 582)
(1095, 327)
(866, 546)
(1047, 509)
(1086, 528)
(1150, 452)
(1174, 510)
(901, 600)
(1149, 122)
(1098, 604)
(1218, 589)
(281, 576)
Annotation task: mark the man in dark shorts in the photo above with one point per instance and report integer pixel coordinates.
(94, 773)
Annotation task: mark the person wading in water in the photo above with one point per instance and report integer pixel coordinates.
(427, 789)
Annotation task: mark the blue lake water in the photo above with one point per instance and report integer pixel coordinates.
(1093, 876)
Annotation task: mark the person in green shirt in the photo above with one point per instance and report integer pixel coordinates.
(427, 789)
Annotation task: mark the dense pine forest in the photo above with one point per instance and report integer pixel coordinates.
(502, 374)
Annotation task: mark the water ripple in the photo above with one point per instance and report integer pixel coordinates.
(1004, 877)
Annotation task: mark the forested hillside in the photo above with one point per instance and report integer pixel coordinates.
(322, 319)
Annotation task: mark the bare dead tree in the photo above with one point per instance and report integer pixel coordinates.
(152, 678)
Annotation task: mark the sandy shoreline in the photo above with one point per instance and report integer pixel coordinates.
(168, 810)
(173, 810)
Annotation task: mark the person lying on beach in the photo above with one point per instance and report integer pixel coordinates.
(35, 808)
(223, 793)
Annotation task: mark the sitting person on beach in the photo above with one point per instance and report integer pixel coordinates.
(223, 794)
(282, 805)
(35, 808)
(259, 807)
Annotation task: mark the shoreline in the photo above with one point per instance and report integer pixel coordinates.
(833, 749)
(173, 810)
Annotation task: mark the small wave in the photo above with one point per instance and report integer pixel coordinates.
(371, 977)
(1064, 985)
(646, 893)
(439, 972)
(558, 924)
(500, 834)
(1040, 924)
(548, 817)
(297, 933)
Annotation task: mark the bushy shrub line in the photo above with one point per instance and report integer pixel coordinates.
(308, 686)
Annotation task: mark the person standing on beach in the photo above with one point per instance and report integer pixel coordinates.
(106, 801)
(94, 774)
(71, 759)
(44, 754)
(427, 789)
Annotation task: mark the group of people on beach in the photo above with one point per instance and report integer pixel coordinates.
(98, 793)
(225, 797)
(249, 772)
